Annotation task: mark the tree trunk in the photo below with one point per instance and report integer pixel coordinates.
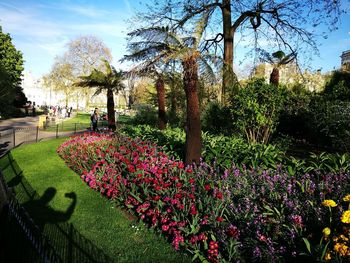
(173, 97)
(110, 110)
(193, 126)
(228, 74)
(161, 103)
(275, 76)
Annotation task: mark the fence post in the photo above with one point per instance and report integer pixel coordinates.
(75, 128)
(56, 131)
(37, 133)
(14, 137)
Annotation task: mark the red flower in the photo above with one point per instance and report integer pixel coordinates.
(219, 195)
(191, 180)
(156, 198)
(189, 170)
(232, 231)
(207, 187)
(131, 168)
(193, 210)
(165, 228)
(219, 219)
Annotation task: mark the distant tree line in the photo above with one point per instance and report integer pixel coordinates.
(11, 68)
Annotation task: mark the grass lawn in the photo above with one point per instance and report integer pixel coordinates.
(97, 222)
(81, 121)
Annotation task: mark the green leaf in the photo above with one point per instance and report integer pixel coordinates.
(307, 244)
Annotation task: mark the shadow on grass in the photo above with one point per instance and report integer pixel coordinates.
(33, 226)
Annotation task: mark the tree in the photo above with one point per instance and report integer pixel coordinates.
(158, 44)
(11, 68)
(288, 24)
(154, 71)
(277, 60)
(85, 53)
(110, 81)
(61, 78)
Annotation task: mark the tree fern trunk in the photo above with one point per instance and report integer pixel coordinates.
(110, 109)
(275, 77)
(193, 129)
(161, 103)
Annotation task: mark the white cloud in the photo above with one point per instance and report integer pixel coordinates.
(41, 31)
(26, 24)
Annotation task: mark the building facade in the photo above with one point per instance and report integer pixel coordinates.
(345, 60)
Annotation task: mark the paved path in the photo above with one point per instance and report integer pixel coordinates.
(19, 122)
(25, 131)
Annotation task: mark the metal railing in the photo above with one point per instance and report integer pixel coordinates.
(12, 137)
(22, 240)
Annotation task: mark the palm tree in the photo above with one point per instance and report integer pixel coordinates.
(110, 81)
(156, 72)
(160, 45)
(277, 59)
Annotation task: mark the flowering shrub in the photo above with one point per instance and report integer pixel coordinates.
(334, 245)
(239, 214)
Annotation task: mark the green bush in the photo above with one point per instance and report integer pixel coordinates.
(338, 86)
(146, 114)
(217, 119)
(329, 122)
(294, 115)
(223, 150)
(256, 109)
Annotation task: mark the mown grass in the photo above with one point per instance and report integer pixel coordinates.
(81, 121)
(97, 219)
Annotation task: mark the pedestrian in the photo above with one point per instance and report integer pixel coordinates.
(69, 111)
(94, 119)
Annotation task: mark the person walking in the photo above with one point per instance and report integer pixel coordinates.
(94, 119)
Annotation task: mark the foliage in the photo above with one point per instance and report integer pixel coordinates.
(61, 79)
(224, 150)
(110, 80)
(338, 86)
(294, 114)
(237, 214)
(272, 23)
(11, 68)
(256, 109)
(217, 119)
(162, 45)
(83, 54)
(145, 115)
(329, 122)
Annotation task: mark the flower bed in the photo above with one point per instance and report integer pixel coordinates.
(241, 214)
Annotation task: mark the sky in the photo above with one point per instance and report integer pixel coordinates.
(42, 28)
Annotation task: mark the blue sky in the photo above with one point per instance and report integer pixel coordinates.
(41, 29)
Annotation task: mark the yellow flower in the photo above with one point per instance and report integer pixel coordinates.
(345, 218)
(329, 203)
(344, 238)
(327, 257)
(346, 198)
(341, 249)
(326, 231)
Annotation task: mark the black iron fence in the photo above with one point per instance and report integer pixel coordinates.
(21, 238)
(12, 137)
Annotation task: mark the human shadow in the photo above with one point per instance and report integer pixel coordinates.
(4, 147)
(61, 237)
(43, 213)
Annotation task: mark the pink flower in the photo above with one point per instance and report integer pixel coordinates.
(165, 228)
